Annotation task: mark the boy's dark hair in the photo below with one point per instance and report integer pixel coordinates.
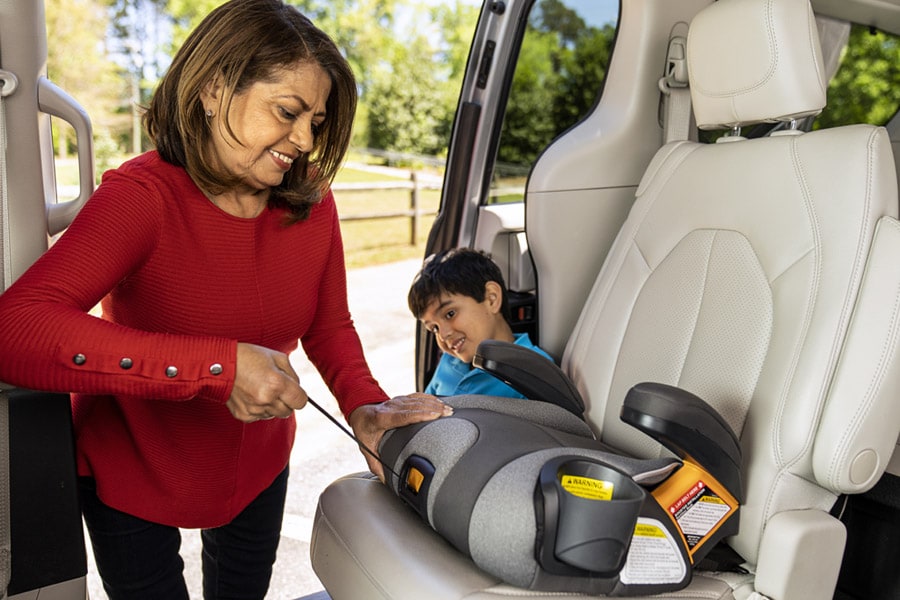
(463, 271)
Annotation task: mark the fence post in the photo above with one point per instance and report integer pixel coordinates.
(414, 205)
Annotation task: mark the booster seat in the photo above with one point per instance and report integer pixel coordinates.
(525, 489)
(757, 274)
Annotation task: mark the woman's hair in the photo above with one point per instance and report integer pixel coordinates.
(243, 42)
(462, 271)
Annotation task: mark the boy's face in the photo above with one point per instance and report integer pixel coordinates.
(459, 323)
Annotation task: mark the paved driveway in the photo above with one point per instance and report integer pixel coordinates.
(322, 453)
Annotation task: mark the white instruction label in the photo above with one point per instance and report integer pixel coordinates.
(653, 556)
(698, 512)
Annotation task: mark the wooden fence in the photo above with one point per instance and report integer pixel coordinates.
(415, 185)
(415, 212)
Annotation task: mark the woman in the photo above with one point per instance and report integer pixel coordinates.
(212, 255)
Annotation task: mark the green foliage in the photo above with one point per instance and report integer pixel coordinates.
(409, 110)
(558, 75)
(409, 73)
(362, 29)
(107, 154)
(529, 122)
(409, 77)
(81, 67)
(135, 39)
(455, 20)
(409, 59)
(584, 68)
(187, 14)
(866, 88)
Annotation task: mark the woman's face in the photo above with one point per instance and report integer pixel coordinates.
(274, 122)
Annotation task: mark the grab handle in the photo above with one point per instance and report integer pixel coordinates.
(56, 102)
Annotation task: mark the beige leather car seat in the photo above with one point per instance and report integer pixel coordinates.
(758, 274)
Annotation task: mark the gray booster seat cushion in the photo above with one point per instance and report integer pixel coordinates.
(525, 489)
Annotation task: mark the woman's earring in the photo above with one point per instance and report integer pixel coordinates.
(209, 113)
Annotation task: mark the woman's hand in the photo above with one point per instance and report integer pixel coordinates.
(265, 385)
(370, 421)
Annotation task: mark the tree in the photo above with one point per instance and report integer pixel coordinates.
(528, 123)
(408, 107)
(362, 29)
(415, 86)
(78, 63)
(185, 15)
(559, 72)
(408, 57)
(866, 88)
(137, 42)
(555, 16)
(582, 70)
(455, 23)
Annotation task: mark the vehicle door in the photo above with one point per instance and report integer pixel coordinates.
(41, 536)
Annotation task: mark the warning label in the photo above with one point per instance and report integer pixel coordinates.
(587, 487)
(653, 556)
(698, 512)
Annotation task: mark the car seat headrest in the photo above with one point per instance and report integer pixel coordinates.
(752, 61)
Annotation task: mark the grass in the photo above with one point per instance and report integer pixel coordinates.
(379, 241)
(366, 242)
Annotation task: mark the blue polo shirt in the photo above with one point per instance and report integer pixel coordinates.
(454, 377)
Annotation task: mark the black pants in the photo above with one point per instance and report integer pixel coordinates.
(139, 560)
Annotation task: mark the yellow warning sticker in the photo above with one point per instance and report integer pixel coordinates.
(648, 530)
(712, 500)
(653, 557)
(587, 487)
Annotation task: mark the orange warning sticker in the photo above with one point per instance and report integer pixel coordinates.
(698, 512)
(696, 502)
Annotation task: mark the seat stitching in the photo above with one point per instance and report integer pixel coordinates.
(778, 454)
(802, 180)
(888, 351)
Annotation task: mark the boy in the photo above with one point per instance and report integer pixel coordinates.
(460, 297)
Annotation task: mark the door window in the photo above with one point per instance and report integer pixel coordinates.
(557, 81)
(866, 86)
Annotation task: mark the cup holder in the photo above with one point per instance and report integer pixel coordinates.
(589, 514)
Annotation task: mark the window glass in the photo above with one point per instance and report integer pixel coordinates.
(557, 80)
(866, 87)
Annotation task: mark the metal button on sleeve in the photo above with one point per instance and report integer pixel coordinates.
(216, 369)
(171, 371)
(126, 363)
(79, 359)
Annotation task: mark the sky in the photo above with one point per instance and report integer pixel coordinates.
(595, 12)
(606, 11)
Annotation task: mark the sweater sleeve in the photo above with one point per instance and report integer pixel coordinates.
(49, 340)
(332, 343)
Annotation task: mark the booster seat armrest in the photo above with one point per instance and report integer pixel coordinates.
(531, 374)
(687, 426)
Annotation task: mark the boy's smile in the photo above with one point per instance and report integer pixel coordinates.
(460, 323)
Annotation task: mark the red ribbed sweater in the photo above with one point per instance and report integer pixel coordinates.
(181, 283)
